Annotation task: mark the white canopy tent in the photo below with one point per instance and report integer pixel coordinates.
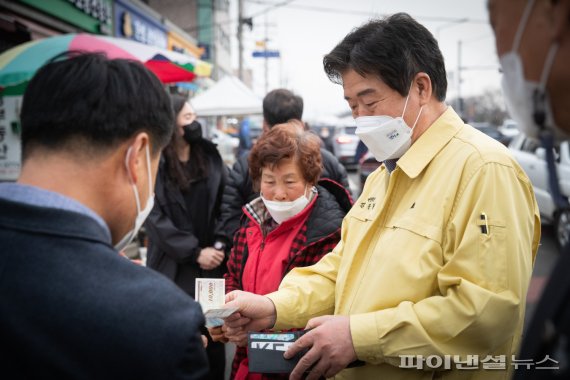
(228, 97)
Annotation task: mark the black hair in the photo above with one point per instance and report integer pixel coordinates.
(394, 49)
(280, 106)
(178, 102)
(182, 173)
(87, 102)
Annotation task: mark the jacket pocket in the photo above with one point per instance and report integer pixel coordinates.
(408, 252)
(361, 214)
(418, 227)
(492, 254)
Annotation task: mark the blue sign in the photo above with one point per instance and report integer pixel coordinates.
(206, 54)
(132, 23)
(266, 54)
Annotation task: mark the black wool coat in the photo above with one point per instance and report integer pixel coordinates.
(173, 248)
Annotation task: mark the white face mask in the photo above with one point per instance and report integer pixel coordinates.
(141, 214)
(281, 211)
(386, 137)
(523, 97)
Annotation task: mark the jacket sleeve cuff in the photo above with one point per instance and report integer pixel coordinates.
(194, 254)
(365, 338)
(283, 319)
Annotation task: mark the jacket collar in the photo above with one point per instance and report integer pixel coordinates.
(51, 221)
(428, 145)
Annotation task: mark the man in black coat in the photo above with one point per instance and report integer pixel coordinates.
(70, 305)
(279, 106)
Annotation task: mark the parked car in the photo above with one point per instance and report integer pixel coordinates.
(532, 158)
(492, 131)
(366, 166)
(339, 137)
(344, 144)
(227, 145)
(509, 128)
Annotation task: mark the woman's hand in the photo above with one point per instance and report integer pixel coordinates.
(210, 258)
(217, 334)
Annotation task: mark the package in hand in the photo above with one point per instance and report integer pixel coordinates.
(211, 294)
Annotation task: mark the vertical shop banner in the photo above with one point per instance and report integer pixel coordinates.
(10, 144)
(132, 23)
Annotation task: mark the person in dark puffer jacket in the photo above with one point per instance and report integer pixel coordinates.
(285, 167)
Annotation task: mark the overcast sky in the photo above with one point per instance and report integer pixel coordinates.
(305, 30)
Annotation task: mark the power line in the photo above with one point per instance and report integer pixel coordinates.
(479, 38)
(311, 8)
(276, 5)
(368, 13)
(266, 10)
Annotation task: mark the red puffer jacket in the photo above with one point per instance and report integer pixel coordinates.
(316, 236)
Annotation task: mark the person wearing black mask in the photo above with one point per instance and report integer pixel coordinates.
(188, 192)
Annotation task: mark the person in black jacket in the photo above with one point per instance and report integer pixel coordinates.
(70, 306)
(180, 227)
(279, 106)
(533, 44)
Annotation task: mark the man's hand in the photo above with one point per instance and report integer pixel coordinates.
(210, 258)
(330, 348)
(255, 313)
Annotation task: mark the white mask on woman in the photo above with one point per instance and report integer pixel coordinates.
(282, 211)
(141, 214)
(385, 136)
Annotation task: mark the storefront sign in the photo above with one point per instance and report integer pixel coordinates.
(205, 48)
(132, 23)
(94, 16)
(179, 44)
(101, 10)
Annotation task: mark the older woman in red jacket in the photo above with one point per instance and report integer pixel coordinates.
(294, 222)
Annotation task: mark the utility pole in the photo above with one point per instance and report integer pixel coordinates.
(240, 39)
(266, 58)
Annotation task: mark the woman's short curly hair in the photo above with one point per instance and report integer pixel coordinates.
(283, 142)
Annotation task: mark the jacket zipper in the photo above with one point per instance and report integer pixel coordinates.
(257, 263)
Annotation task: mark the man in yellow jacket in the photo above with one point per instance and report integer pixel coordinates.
(430, 277)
